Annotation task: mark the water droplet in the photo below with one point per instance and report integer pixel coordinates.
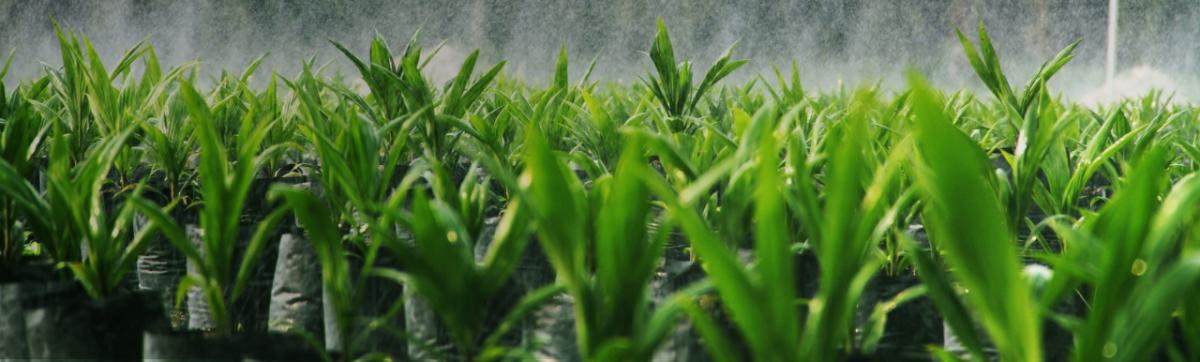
(1110, 350)
(1139, 267)
(452, 236)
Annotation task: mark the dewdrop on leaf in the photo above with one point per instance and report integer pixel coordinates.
(1038, 276)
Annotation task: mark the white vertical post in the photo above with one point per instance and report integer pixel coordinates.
(1110, 67)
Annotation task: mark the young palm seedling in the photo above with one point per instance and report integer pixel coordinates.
(1134, 256)
(967, 224)
(1031, 111)
(358, 157)
(22, 131)
(399, 89)
(343, 284)
(434, 245)
(85, 93)
(167, 139)
(672, 83)
(611, 297)
(221, 273)
(70, 220)
(844, 232)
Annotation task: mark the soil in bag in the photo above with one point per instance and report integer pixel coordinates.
(63, 322)
(13, 279)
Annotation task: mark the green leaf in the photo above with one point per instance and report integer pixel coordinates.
(266, 229)
(715, 341)
(940, 290)
(554, 193)
(878, 319)
(967, 222)
(528, 303)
